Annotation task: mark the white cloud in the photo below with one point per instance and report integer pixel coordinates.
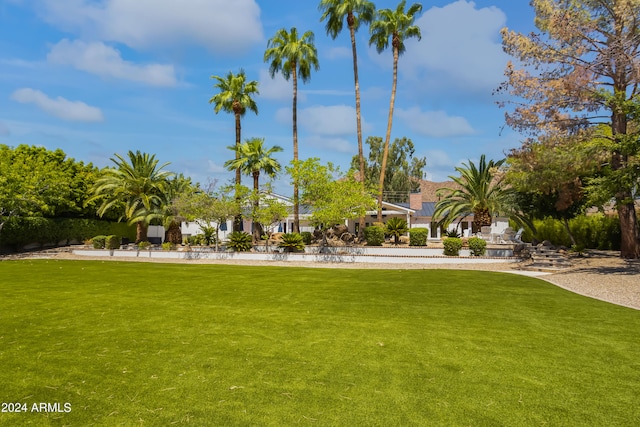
(460, 49)
(215, 168)
(105, 61)
(218, 25)
(340, 145)
(340, 52)
(333, 120)
(435, 124)
(4, 130)
(277, 87)
(62, 108)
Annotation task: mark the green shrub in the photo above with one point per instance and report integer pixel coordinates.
(168, 246)
(144, 245)
(240, 241)
(590, 231)
(291, 242)
(477, 246)
(112, 242)
(418, 236)
(452, 233)
(99, 242)
(374, 235)
(452, 246)
(196, 240)
(396, 227)
(307, 237)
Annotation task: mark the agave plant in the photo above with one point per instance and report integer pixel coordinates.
(240, 241)
(291, 242)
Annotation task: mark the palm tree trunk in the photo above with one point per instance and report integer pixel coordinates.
(174, 233)
(257, 229)
(352, 31)
(237, 220)
(141, 232)
(385, 153)
(296, 198)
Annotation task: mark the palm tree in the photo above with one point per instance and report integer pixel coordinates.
(166, 211)
(139, 183)
(356, 12)
(396, 25)
(481, 193)
(251, 158)
(235, 96)
(293, 57)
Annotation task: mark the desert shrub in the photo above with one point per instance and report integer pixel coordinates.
(168, 246)
(291, 242)
(307, 237)
(452, 246)
(240, 241)
(418, 236)
(374, 235)
(144, 245)
(112, 242)
(590, 231)
(396, 227)
(99, 242)
(477, 246)
(452, 233)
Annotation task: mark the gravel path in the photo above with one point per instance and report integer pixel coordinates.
(600, 274)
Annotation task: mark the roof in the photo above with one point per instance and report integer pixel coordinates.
(426, 210)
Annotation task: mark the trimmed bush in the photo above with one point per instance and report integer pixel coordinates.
(418, 236)
(240, 241)
(144, 245)
(374, 235)
(307, 237)
(291, 242)
(452, 246)
(168, 246)
(112, 242)
(99, 242)
(477, 246)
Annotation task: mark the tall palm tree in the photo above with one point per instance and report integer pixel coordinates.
(252, 157)
(356, 12)
(235, 96)
(293, 57)
(397, 26)
(139, 183)
(481, 193)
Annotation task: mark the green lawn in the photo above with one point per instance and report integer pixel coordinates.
(163, 344)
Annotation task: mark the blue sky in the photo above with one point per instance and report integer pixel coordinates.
(98, 77)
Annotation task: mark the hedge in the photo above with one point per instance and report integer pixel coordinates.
(596, 231)
(21, 231)
(418, 236)
(374, 235)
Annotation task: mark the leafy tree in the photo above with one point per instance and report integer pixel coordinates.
(481, 193)
(396, 227)
(581, 69)
(252, 157)
(235, 96)
(403, 172)
(210, 205)
(269, 213)
(549, 177)
(332, 198)
(355, 12)
(293, 57)
(397, 26)
(138, 182)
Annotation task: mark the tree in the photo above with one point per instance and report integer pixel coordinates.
(211, 206)
(332, 198)
(139, 183)
(293, 57)
(166, 211)
(397, 26)
(403, 172)
(252, 157)
(481, 193)
(356, 12)
(396, 227)
(581, 69)
(549, 177)
(269, 212)
(235, 96)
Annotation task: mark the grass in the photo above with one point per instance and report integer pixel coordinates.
(163, 344)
